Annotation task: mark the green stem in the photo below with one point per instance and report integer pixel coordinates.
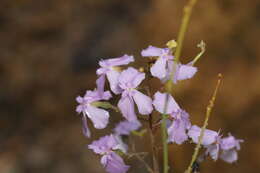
(165, 144)
(184, 24)
(208, 113)
(169, 84)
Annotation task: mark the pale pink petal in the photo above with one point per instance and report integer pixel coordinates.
(113, 163)
(159, 68)
(185, 72)
(112, 77)
(100, 82)
(152, 51)
(98, 116)
(120, 144)
(126, 106)
(159, 103)
(130, 78)
(104, 144)
(85, 128)
(177, 132)
(209, 136)
(213, 151)
(123, 60)
(80, 108)
(229, 156)
(143, 102)
(79, 99)
(138, 79)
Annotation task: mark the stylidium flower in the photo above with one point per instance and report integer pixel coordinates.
(112, 162)
(109, 68)
(211, 141)
(159, 69)
(129, 80)
(229, 146)
(177, 131)
(179, 123)
(125, 127)
(213, 149)
(104, 145)
(99, 117)
(230, 142)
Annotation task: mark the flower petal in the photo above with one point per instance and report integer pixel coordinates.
(159, 103)
(152, 51)
(99, 117)
(126, 106)
(185, 72)
(79, 109)
(85, 128)
(123, 60)
(100, 82)
(121, 145)
(125, 127)
(130, 78)
(114, 163)
(159, 68)
(104, 144)
(230, 142)
(209, 136)
(177, 132)
(79, 99)
(213, 151)
(143, 102)
(229, 156)
(112, 77)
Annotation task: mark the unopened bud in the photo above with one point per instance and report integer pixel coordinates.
(171, 44)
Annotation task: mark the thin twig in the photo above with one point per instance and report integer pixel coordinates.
(208, 113)
(142, 160)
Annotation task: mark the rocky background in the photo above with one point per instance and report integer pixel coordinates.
(49, 51)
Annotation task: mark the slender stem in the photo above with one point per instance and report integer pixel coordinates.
(184, 24)
(208, 113)
(169, 84)
(165, 144)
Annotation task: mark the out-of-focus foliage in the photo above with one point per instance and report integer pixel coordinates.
(49, 50)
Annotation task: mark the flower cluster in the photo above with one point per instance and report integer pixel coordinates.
(216, 146)
(125, 84)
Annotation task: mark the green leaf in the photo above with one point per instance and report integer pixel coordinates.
(139, 133)
(105, 105)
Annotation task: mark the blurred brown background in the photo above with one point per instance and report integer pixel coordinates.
(49, 50)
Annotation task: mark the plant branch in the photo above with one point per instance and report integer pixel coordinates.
(208, 113)
(184, 24)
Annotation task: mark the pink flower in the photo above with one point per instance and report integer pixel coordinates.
(159, 69)
(98, 116)
(180, 122)
(129, 80)
(112, 162)
(108, 68)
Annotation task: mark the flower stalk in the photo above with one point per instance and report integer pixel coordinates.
(169, 84)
